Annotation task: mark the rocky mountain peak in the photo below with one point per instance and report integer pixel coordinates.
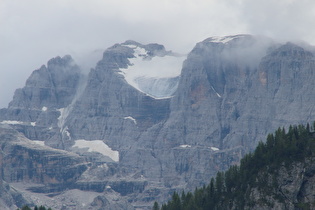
(50, 86)
(291, 51)
(227, 39)
(148, 68)
(153, 49)
(118, 55)
(64, 61)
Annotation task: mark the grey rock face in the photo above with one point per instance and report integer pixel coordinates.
(205, 112)
(34, 108)
(109, 109)
(10, 198)
(52, 86)
(24, 160)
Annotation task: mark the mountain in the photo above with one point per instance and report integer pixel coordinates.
(147, 121)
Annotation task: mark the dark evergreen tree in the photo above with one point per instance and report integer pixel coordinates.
(156, 206)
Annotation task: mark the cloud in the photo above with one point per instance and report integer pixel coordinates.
(34, 31)
(283, 19)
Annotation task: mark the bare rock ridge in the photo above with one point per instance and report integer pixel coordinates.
(35, 108)
(146, 121)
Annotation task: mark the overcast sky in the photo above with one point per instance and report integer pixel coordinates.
(33, 31)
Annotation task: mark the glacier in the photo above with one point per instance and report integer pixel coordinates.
(156, 76)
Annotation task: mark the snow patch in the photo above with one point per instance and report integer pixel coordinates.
(64, 112)
(12, 122)
(61, 117)
(185, 146)
(67, 133)
(223, 40)
(104, 165)
(44, 109)
(131, 118)
(42, 143)
(215, 91)
(97, 146)
(214, 148)
(143, 67)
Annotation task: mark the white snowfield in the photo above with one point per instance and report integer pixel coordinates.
(42, 143)
(97, 146)
(44, 109)
(223, 39)
(189, 146)
(215, 91)
(144, 68)
(132, 119)
(14, 122)
(185, 146)
(62, 117)
(64, 112)
(214, 148)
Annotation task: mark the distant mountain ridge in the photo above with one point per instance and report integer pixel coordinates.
(172, 125)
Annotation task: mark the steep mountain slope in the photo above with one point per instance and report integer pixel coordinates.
(147, 124)
(110, 108)
(35, 108)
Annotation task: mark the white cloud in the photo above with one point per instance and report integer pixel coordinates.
(282, 19)
(33, 31)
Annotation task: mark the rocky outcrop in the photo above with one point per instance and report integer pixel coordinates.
(203, 131)
(10, 198)
(109, 108)
(24, 160)
(35, 108)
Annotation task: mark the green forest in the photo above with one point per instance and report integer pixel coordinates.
(229, 189)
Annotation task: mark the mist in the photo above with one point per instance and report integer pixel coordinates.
(34, 31)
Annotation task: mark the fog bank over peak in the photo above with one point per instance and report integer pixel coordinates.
(31, 32)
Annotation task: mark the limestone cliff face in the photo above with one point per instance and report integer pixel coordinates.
(24, 160)
(203, 132)
(230, 96)
(109, 108)
(34, 109)
(53, 85)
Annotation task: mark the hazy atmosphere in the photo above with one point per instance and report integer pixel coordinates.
(33, 31)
